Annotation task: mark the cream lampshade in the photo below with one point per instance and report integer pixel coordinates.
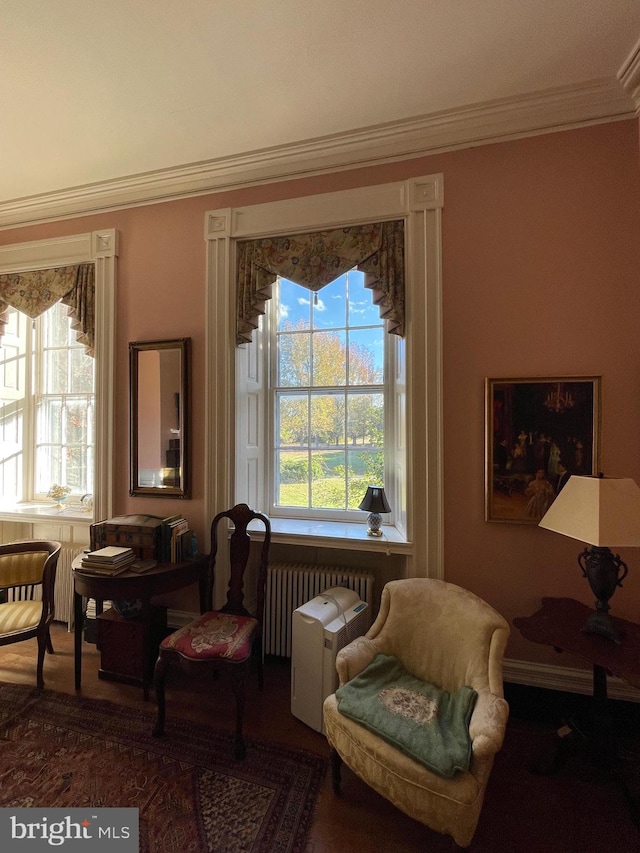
(603, 512)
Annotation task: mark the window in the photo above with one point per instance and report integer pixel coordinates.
(89, 427)
(48, 407)
(238, 416)
(326, 397)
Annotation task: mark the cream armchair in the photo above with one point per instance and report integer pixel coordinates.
(449, 637)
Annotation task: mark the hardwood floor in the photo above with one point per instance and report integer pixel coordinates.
(523, 813)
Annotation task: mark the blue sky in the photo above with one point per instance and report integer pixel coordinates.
(326, 309)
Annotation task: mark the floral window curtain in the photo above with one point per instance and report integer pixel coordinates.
(33, 293)
(315, 260)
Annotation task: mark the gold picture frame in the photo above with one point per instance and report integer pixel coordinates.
(539, 431)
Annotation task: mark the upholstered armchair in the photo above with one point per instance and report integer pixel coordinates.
(446, 636)
(27, 581)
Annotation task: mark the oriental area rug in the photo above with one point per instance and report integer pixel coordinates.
(192, 795)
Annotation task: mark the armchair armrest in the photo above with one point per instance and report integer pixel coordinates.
(488, 724)
(354, 657)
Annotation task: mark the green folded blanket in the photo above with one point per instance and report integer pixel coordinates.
(426, 723)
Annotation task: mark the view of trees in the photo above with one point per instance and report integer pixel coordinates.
(330, 431)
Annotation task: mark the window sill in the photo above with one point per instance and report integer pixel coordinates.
(345, 536)
(33, 512)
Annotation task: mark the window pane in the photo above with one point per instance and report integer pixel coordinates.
(293, 478)
(294, 305)
(362, 309)
(366, 354)
(328, 484)
(81, 371)
(48, 467)
(56, 326)
(75, 465)
(49, 421)
(76, 428)
(329, 358)
(365, 420)
(294, 359)
(292, 419)
(328, 305)
(55, 375)
(327, 420)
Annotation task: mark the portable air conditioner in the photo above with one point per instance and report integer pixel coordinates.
(320, 628)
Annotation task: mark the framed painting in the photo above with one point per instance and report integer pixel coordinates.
(539, 432)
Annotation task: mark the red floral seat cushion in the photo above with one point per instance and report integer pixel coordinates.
(214, 635)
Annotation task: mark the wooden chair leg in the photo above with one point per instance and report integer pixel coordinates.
(158, 686)
(336, 767)
(238, 680)
(42, 645)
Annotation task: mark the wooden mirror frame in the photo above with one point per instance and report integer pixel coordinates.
(170, 481)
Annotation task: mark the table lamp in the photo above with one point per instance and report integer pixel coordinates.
(603, 512)
(374, 502)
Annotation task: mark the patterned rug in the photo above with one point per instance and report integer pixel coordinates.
(68, 752)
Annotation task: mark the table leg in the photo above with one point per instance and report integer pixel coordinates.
(78, 618)
(146, 647)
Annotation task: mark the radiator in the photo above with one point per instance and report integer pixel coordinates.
(291, 585)
(63, 596)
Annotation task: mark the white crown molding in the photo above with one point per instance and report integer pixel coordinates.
(629, 75)
(547, 111)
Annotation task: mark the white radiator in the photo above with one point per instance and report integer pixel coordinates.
(291, 585)
(63, 596)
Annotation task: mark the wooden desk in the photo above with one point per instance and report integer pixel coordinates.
(163, 578)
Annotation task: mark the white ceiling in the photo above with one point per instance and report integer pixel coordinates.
(125, 100)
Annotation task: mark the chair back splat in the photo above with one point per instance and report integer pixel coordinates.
(239, 547)
(229, 638)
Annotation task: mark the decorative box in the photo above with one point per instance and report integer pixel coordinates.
(139, 532)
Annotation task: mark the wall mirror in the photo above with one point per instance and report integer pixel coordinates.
(159, 417)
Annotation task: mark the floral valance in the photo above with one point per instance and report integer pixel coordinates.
(32, 293)
(315, 260)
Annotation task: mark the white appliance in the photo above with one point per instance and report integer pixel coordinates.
(320, 628)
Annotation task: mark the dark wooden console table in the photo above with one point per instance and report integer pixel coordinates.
(163, 578)
(559, 623)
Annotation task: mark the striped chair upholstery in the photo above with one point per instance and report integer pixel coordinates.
(27, 581)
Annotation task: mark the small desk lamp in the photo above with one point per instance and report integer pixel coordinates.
(374, 502)
(604, 512)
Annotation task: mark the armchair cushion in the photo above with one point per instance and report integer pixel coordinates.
(426, 723)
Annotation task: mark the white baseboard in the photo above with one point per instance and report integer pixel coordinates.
(564, 678)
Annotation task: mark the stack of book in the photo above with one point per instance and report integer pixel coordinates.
(111, 560)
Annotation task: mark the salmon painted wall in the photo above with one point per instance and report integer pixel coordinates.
(541, 276)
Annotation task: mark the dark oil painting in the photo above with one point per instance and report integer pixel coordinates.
(540, 431)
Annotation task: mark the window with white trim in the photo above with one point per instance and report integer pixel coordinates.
(48, 407)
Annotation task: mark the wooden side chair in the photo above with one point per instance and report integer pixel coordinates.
(27, 581)
(229, 638)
